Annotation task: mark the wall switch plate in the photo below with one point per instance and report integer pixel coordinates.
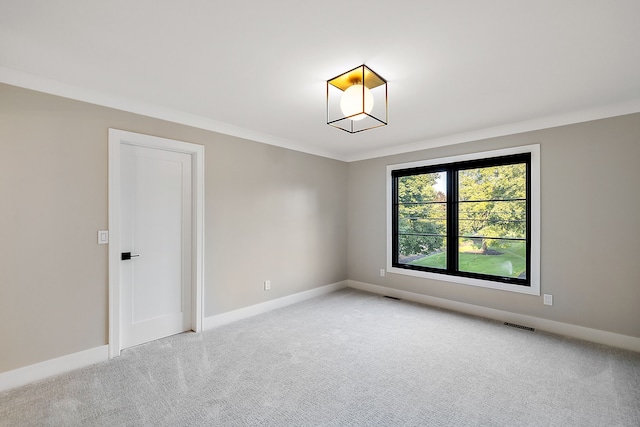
(382, 272)
(548, 299)
(267, 285)
(103, 237)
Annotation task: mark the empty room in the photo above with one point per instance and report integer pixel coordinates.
(416, 213)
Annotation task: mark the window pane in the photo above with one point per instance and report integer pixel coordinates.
(422, 219)
(431, 221)
(422, 188)
(495, 257)
(493, 219)
(426, 251)
(506, 182)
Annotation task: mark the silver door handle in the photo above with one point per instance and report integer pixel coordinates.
(127, 255)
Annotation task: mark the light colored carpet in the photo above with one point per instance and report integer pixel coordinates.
(345, 359)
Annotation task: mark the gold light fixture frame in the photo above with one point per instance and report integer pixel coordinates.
(379, 115)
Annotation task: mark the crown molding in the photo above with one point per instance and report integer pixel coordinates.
(41, 84)
(53, 87)
(602, 112)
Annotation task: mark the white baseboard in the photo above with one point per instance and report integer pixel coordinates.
(22, 376)
(574, 331)
(48, 368)
(252, 310)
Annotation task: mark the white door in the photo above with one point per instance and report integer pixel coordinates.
(155, 240)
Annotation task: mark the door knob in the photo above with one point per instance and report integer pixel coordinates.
(127, 255)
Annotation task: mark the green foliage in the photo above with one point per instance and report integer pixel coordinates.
(491, 208)
(421, 215)
(492, 202)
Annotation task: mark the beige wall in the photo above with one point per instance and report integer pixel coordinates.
(271, 213)
(53, 195)
(590, 221)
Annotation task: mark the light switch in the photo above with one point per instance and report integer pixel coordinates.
(103, 237)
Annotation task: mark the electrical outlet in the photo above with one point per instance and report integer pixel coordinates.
(382, 272)
(267, 285)
(548, 299)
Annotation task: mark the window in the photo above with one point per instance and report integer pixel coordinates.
(471, 219)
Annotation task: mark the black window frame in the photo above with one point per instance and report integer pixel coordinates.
(452, 234)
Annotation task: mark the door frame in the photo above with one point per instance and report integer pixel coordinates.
(116, 139)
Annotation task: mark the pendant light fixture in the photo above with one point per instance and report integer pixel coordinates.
(357, 100)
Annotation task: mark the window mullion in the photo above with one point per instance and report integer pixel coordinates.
(528, 218)
(452, 219)
(394, 216)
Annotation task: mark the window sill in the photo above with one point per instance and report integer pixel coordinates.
(534, 289)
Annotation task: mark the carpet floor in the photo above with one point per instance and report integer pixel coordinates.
(348, 358)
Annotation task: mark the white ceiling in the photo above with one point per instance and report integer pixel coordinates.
(457, 70)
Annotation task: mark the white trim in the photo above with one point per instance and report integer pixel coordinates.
(53, 87)
(114, 246)
(42, 84)
(116, 138)
(253, 310)
(534, 272)
(579, 116)
(70, 362)
(48, 368)
(574, 331)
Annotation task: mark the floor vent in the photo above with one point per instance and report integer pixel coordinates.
(387, 296)
(513, 325)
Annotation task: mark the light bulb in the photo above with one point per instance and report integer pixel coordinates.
(351, 102)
